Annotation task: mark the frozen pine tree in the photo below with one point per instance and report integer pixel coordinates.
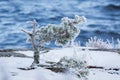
(75, 65)
(63, 34)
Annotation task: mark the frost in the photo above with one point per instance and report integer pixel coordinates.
(118, 45)
(103, 44)
(63, 34)
(99, 43)
(75, 66)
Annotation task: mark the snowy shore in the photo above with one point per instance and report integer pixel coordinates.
(9, 65)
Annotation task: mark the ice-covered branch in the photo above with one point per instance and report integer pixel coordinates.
(25, 31)
(62, 34)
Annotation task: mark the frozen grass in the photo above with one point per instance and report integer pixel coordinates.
(102, 44)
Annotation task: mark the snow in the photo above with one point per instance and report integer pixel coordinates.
(28, 53)
(105, 59)
(96, 58)
(9, 65)
(102, 75)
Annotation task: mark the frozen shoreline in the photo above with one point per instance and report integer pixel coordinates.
(97, 58)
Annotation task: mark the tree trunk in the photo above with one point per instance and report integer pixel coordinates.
(36, 51)
(36, 57)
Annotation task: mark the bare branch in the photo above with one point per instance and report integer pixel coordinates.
(25, 31)
(34, 26)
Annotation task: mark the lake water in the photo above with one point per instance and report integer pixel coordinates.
(103, 18)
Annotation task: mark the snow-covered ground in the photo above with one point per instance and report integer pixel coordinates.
(9, 65)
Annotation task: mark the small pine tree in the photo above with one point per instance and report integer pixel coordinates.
(62, 34)
(75, 65)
